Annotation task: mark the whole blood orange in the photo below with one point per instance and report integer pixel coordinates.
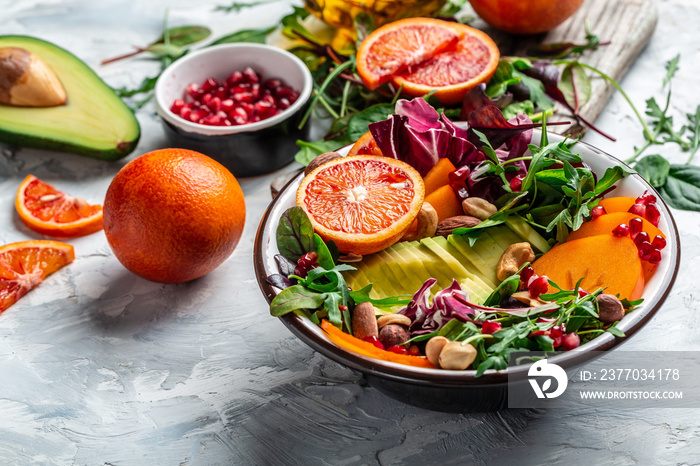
(49, 211)
(428, 55)
(173, 215)
(530, 17)
(364, 203)
(25, 264)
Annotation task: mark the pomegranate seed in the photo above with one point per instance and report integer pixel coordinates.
(642, 237)
(638, 209)
(226, 122)
(242, 97)
(342, 307)
(255, 117)
(597, 211)
(582, 293)
(242, 87)
(250, 75)
(185, 113)
(300, 271)
(374, 340)
(526, 274)
(227, 105)
(398, 349)
(221, 92)
(212, 120)
(539, 333)
(556, 333)
(198, 114)
(413, 350)
(659, 242)
(538, 286)
(287, 93)
(239, 120)
(546, 319)
(308, 259)
(255, 91)
(489, 327)
(193, 90)
(570, 341)
(653, 214)
(206, 99)
(235, 78)
(516, 183)
(273, 84)
(621, 230)
(178, 105)
(238, 116)
(247, 107)
(645, 250)
(654, 256)
(646, 198)
(262, 108)
(209, 84)
(214, 104)
(283, 103)
(636, 225)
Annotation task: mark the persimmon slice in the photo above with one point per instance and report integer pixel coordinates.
(25, 264)
(51, 212)
(362, 203)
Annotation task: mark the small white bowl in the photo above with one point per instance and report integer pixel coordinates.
(250, 149)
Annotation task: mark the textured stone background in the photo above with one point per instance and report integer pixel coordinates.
(100, 367)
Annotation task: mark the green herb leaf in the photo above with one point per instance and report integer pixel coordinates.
(246, 35)
(671, 68)
(615, 331)
(310, 150)
(325, 258)
(295, 234)
(575, 85)
(293, 298)
(184, 35)
(362, 295)
(654, 169)
(682, 187)
(238, 6)
(358, 125)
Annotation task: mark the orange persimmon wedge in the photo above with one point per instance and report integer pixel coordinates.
(617, 204)
(605, 224)
(439, 175)
(355, 345)
(445, 202)
(603, 261)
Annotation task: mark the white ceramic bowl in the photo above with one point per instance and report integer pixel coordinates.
(461, 391)
(250, 149)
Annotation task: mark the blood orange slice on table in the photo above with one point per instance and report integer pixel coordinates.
(51, 212)
(362, 203)
(25, 264)
(424, 59)
(396, 46)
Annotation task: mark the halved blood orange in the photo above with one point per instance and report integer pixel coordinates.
(364, 203)
(51, 212)
(366, 145)
(25, 264)
(396, 46)
(425, 59)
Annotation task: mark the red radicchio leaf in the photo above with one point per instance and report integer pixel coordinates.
(477, 97)
(489, 120)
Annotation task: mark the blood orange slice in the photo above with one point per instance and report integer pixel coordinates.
(452, 73)
(366, 145)
(394, 47)
(49, 211)
(428, 55)
(25, 264)
(362, 203)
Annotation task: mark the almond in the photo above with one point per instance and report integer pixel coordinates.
(447, 226)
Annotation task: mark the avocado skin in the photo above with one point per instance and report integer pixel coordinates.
(59, 60)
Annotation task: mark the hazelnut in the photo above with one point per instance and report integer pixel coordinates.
(393, 334)
(610, 309)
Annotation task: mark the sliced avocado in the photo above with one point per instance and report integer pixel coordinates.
(93, 122)
(472, 253)
(474, 273)
(413, 281)
(373, 269)
(526, 232)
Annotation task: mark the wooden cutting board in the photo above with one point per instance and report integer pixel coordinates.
(627, 24)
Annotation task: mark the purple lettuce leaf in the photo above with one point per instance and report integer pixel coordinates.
(477, 97)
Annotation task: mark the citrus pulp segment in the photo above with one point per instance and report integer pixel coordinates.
(362, 203)
(49, 211)
(25, 264)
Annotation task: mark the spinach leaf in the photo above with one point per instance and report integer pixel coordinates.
(682, 187)
(295, 234)
(325, 258)
(359, 123)
(293, 298)
(654, 169)
(310, 150)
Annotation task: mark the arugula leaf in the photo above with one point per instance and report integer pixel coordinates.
(238, 6)
(184, 35)
(293, 298)
(295, 234)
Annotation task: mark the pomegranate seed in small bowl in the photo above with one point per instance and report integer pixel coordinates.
(240, 104)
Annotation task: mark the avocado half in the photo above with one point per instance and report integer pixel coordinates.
(93, 122)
